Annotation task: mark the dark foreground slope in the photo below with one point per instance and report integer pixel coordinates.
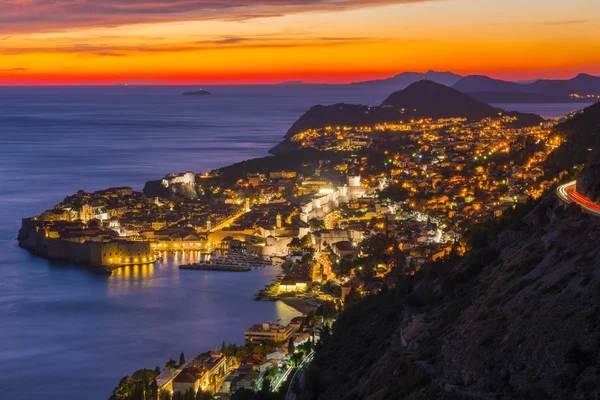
(582, 135)
(517, 318)
(588, 182)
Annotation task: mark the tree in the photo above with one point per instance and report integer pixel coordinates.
(231, 350)
(189, 395)
(181, 359)
(165, 395)
(296, 359)
(243, 394)
(152, 390)
(140, 386)
(124, 390)
(291, 346)
(352, 298)
(172, 364)
(266, 386)
(324, 333)
(345, 265)
(295, 244)
(202, 395)
(316, 224)
(241, 352)
(271, 373)
(328, 310)
(306, 242)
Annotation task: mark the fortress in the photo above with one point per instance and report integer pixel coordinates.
(329, 199)
(188, 178)
(109, 254)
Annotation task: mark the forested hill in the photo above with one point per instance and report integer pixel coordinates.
(422, 99)
(430, 99)
(517, 318)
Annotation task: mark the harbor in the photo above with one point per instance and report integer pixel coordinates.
(232, 261)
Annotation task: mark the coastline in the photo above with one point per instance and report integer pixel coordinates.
(298, 304)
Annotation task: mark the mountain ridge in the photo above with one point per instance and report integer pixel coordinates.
(493, 90)
(421, 99)
(404, 79)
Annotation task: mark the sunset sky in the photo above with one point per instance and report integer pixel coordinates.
(268, 41)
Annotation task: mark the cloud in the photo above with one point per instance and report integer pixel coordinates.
(47, 15)
(215, 44)
(567, 22)
(11, 71)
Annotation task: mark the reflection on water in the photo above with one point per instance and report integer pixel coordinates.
(60, 320)
(140, 272)
(132, 271)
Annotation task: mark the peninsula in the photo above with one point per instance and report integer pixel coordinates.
(421, 100)
(429, 156)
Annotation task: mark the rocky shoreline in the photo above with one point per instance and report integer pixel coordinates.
(298, 304)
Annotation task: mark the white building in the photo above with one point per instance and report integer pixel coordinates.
(189, 178)
(329, 199)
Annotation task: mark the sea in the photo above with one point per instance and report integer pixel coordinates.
(67, 332)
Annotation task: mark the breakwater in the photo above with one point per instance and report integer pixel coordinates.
(205, 267)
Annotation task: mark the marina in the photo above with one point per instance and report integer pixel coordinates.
(232, 261)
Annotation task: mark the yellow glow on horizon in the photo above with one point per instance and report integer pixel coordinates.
(464, 36)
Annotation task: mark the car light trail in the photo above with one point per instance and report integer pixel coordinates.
(568, 194)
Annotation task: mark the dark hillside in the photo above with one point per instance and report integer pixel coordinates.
(341, 114)
(432, 100)
(481, 83)
(517, 318)
(423, 99)
(582, 134)
(427, 98)
(539, 91)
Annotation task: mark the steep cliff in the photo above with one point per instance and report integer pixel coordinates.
(517, 317)
(588, 182)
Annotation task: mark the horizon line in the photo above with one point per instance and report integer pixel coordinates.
(289, 82)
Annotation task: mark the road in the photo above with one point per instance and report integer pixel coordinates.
(281, 379)
(568, 194)
(228, 221)
(299, 375)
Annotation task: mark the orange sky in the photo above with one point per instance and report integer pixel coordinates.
(268, 41)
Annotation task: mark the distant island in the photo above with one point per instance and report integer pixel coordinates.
(200, 92)
(290, 83)
(583, 88)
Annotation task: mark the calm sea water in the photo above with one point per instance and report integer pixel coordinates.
(67, 333)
